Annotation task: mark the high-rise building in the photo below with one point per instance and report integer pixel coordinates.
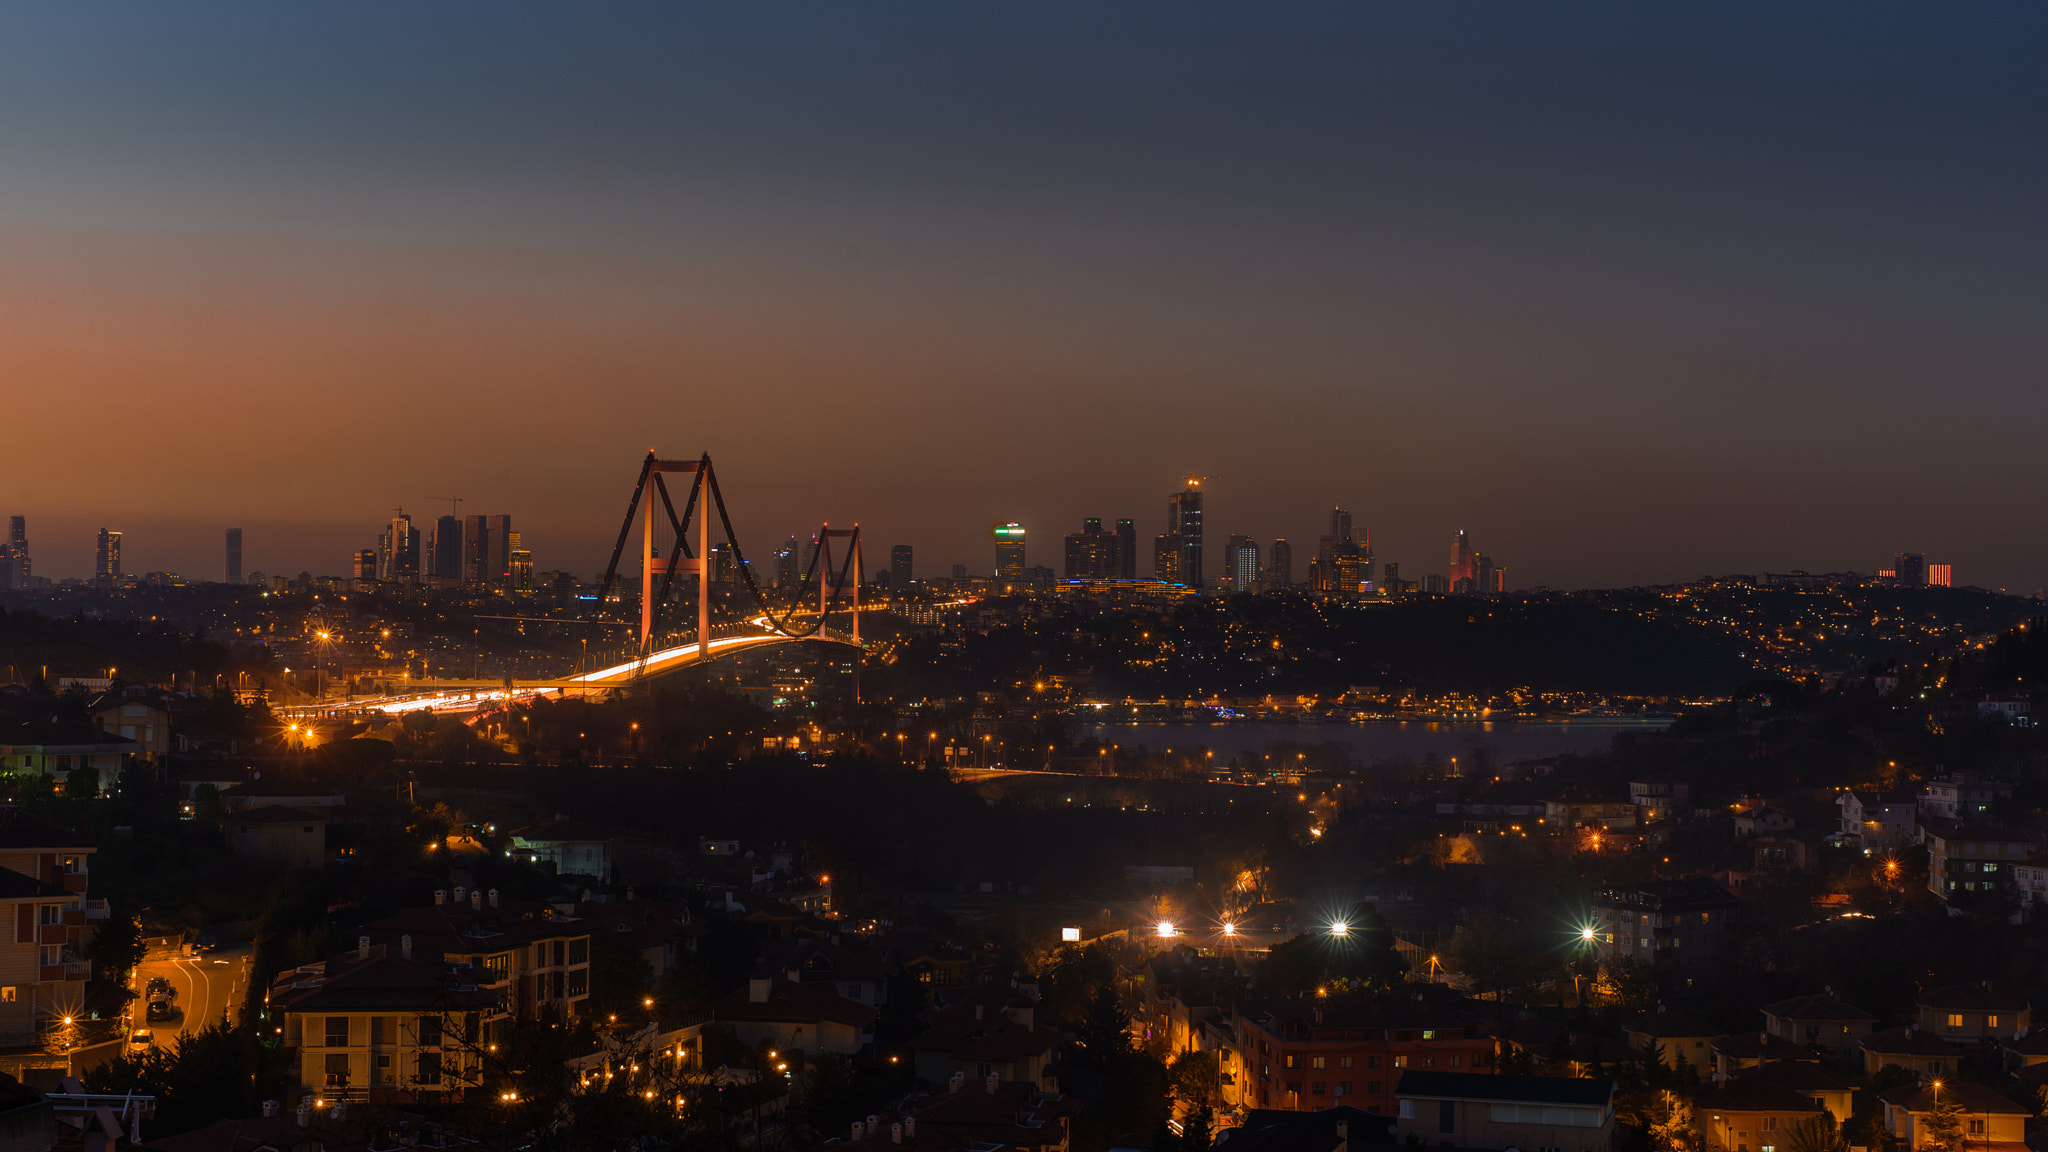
(900, 571)
(1009, 551)
(476, 549)
(1279, 563)
(1126, 549)
(398, 551)
(14, 564)
(365, 564)
(959, 571)
(1340, 525)
(723, 570)
(1169, 556)
(786, 573)
(1092, 554)
(445, 555)
(522, 570)
(1241, 562)
(1940, 576)
(1482, 575)
(106, 565)
(1912, 569)
(499, 541)
(234, 555)
(1436, 584)
(1462, 566)
(1184, 519)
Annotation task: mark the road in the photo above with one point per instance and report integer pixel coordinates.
(207, 984)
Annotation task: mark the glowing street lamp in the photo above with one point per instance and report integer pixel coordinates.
(1340, 928)
(1166, 928)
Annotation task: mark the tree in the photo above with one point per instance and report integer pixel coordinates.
(1671, 1127)
(1197, 1079)
(1106, 1028)
(1816, 1134)
(117, 947)
(1194, 1133)
(1942, 1130)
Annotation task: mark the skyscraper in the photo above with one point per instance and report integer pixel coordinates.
(446, 555)
(499, 543)
(14, 557)
(1940, 576)
(106, 565)
(1126, 549)
(899, 567)
(1279, 563)
(786, 572)
(1169, 555)
(1482, 575)
(1009, 551)
(365, 564)
(1241, 562)
(1092, 553)
(476, 555)
(1184, 519)
(234, 555)
(1462, 565)
(398, 551)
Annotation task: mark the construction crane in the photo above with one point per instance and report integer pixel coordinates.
(1196, 481)
(454, 504)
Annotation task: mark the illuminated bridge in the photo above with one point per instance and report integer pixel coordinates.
(797, 619)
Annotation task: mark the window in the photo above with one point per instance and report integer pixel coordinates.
(498, 964)
(1372, 1086)
(1550, 1114)
(51, 914)
(1400, 1061)
(1343, 1087)
(430, 1031)
(1429, 1033)
(73, 865)
(1372, 1061)
(1315, 1062)
(469, 1027)
(429, 1068)
(1407, 1109)
(1343, 1061)
(1977, 1127)
(1290, 1061)
(1446, 1116)
(1457, 1061)
(579, 982)
(579, 950)
(1315, 1088)
(1770, 1124)
(336, 1067)
(1955, 1020)
(1991, 1021)
(560, 946)
(7, 994)
(337, 1032)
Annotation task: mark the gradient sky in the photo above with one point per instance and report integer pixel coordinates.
(1632, 292)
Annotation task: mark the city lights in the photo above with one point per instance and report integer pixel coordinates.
(1340, 928)
(1166, 928)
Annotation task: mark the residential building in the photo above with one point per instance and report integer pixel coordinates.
(1967, 1013)
(1743, 1050)
(43, 969)
(1241, 563)
(1683, 1038)
(1962, 796)
(139, 714)
(2030, 883)
(57, 748)
(533, 958)
(1877, 822)
(1762, 820)
(371, 1023)
(1989, 1121)
(1666, 922)
(812, 1017)
(1658, 797)
(1971, 858)
(282, 837)
(1169, 559)
(991, 1031)
(1561, 812)
(1009, 551)
(989, 1113)
(573, 847)
(1812, 1079)
(1467, 1110)
(326, 803)
(1302, 1055)
(1821, 1021)
(1749, 1113)
(1914, 1049)
(1091, 553)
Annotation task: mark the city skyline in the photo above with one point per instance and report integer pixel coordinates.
(1453, 270)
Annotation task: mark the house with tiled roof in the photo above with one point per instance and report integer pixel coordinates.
(276, 835)
(1966, 1013)
(573, 847)
(1469, 1110)
(1748, 1114)
(46, 923)
(1748, 1049)
(993, 1030)
(1818, 1020)
(377, 1022)
(987, 1115)
(334, 1127)
(263, 792)
(1989, 1121)
(807, 1016)
(825, 961)
(1913, 1049)
(55, 748)
(1683, 1038)
(659, 930)
(1829, 1089)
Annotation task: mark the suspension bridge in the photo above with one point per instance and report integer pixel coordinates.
(799, 614)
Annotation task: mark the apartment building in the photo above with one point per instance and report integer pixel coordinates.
(369, 1024)
(530, 955)
(1878, 823)
(1674, 923)
(1567, 1114)
(1681, 1037)
(1972, 858)
(1302, 1055)
(44, 872)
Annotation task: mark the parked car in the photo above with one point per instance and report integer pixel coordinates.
(141, 1039)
